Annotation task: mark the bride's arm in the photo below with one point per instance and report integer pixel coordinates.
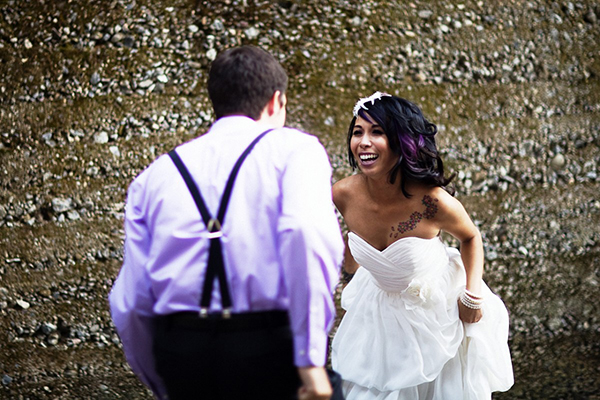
(453, 218)
(350, 264)
(340, 194)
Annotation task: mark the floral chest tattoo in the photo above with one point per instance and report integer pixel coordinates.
(431, 209)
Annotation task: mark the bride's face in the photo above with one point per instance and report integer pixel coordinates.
(371, 149)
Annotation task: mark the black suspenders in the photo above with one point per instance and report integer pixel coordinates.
(215, 266)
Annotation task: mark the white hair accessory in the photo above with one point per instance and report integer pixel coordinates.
(361, 103)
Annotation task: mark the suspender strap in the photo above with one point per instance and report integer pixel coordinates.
(215, 266)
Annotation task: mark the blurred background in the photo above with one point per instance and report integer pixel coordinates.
(92, 91)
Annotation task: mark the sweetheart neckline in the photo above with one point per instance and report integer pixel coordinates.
(394, 242)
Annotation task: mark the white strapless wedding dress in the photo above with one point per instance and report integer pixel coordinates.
(401, 337)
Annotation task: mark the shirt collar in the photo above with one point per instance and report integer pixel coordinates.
(237, 121)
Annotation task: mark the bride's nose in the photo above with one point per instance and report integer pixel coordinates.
(365, 140)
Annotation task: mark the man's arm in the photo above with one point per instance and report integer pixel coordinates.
(311, 251)
(131, 298)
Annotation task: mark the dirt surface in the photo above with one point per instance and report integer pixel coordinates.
(92, 91)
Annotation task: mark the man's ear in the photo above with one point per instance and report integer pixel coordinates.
(277, 101)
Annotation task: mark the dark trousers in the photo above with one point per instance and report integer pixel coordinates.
(216, 358)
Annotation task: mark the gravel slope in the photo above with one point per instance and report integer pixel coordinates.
(92, 91)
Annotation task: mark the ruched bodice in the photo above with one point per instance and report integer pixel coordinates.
(402, 261)
(401, 337)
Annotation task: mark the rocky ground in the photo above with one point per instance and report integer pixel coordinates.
(92, 91)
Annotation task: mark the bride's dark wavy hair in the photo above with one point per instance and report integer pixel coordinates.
(411, 137)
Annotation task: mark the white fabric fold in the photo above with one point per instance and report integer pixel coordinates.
(401, 337)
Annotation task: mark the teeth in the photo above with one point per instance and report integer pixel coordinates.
(367, 157)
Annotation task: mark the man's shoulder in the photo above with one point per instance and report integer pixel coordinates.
(294, 142)
(154, 171)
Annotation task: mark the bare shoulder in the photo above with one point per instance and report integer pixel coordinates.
(451, 215)
(445, 199)
(344, 190)
(441, 203)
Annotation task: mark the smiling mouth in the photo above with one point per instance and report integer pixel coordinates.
(368, 158)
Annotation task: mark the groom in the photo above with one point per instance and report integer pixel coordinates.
(260, 332)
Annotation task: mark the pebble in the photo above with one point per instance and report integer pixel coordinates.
(60, 205)
(217, 25)
(252, 32)
(95, 79)
(101, 137)
(145, 84)
(115, 151)
(73, 215)
(22, 304)
(425, 14)
(558, 162)
(211, 54)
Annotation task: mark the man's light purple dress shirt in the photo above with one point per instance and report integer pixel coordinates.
(281, 239)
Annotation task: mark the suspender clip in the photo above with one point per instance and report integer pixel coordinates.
(215, 235)
(226, 313)
(203, 312)
(214, 229)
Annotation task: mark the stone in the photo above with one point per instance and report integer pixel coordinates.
(211, 54)
(23, 304)
(425, 14)
(252, 32)
(590, 17)
(128, 41)
(73, 215)
(60, 205)
(53, 338)
(115, 151)
(95, 79)
(145, 84)
(558, 162)
(117, 37)
(101, 137)
(47, 328)
(217, 25)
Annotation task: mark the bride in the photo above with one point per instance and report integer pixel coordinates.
(420, 323)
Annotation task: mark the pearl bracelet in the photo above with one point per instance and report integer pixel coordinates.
(473, 295)
(470, 300)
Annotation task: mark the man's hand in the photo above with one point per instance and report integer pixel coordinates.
(315, 384)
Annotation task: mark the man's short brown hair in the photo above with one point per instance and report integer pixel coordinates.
(243, 79)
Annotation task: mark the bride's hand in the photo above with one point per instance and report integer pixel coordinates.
(467, 314)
